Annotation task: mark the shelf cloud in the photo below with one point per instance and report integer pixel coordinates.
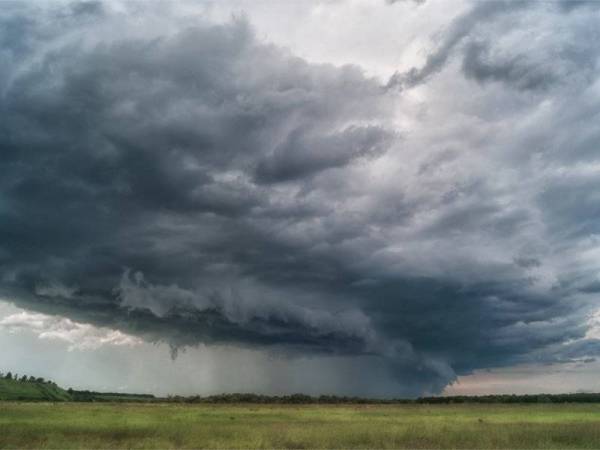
(201, 184)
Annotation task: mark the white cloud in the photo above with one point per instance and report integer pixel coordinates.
(593, 331)
(580, 376)
(78, 336)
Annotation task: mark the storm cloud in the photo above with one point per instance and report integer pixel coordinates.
(199, 184)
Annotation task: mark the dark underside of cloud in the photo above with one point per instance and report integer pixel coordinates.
(203, 186)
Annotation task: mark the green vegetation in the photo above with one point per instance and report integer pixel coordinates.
(86, 419)
(31, 390)
(164, 425)
(302, 399)
(37, 389)
(91, 396)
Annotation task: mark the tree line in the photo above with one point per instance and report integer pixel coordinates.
(333, 399)
(25, 378)
(298, 399)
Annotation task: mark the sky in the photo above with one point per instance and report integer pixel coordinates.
(385, 198)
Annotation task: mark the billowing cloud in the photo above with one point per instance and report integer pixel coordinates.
(78, 336)
(199, 185)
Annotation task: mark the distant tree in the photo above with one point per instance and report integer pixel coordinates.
(40, 380)
(31, 379)
(8, 376)
(544, 399)
(23, 378)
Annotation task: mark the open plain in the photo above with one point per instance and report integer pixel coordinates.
(163, 425)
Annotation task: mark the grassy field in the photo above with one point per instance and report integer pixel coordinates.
(88, 425)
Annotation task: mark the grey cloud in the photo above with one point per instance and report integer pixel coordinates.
(151, 149)
(518, 65)
(571, 5)
(300, 155)
(460, 28)
(391, 2)
(526, 262)
(516, 71)
(270, 203)
(268, 315)
(87, 8)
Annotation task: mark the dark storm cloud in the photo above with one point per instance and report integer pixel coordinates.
(300, 155)
(203, 186)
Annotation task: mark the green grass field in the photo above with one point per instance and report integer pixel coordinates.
(89, 425)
